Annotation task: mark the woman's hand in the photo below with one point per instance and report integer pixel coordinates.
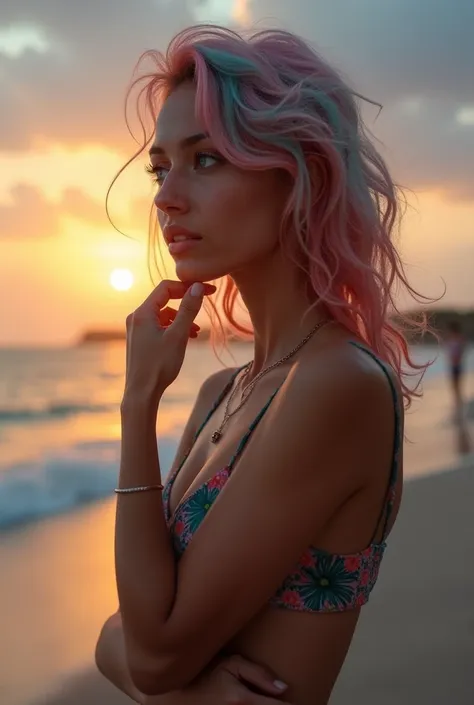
(236, 680)
(232, 680)
(229, 680)
(157, 336)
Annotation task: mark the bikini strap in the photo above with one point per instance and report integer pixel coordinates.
(389, 499)
(245, 439)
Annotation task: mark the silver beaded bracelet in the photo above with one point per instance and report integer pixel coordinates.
(142, 488)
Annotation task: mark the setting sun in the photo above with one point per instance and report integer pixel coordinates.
(121, 279)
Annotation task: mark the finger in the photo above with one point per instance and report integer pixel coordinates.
(168, 289)
(254, 674)
(188, 310)
(167, 315)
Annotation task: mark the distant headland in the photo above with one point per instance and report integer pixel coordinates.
(100, 335)
(438, 320)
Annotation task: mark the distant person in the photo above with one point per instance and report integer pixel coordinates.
(455, 345)
(268, 536)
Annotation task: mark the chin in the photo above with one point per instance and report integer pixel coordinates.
(188, 270)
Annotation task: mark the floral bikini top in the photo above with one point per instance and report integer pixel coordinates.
(320, 582)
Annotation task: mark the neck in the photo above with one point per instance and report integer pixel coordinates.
(277, 303)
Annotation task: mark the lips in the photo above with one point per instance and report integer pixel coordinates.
(183, 238)
(173, 233)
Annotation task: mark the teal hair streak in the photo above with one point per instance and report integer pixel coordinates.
(227, 64)
(233, 106)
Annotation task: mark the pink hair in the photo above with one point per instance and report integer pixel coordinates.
(270, 101)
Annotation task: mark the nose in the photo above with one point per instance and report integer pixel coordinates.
(171, 198)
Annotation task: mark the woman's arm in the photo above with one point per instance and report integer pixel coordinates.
(111, 660)
(225, 681)
(207, 395)
(334, 425)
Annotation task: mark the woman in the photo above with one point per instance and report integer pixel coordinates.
(268, 536)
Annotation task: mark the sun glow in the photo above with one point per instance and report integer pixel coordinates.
(121, 279)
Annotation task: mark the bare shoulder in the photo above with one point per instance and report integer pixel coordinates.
(347, 379)
(339, 406)
(213, 386)
(209, 392)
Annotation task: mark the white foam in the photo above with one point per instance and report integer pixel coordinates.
(61, 481)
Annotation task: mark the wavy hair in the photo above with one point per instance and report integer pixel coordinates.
(268, 100)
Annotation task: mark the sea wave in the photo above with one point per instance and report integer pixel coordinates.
(77, 475)
(52, 411)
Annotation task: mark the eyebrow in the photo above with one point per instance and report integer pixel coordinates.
(186, 142)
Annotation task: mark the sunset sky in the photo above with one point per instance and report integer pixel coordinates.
(64, 70)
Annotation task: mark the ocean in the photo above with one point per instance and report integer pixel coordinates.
(60, 424)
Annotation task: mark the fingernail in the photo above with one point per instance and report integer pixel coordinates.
(197, 289)
(280, 685)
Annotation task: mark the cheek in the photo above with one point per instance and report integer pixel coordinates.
(250, 212)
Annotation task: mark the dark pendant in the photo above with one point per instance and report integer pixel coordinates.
(216, 436)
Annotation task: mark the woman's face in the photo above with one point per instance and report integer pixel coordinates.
(232, 216)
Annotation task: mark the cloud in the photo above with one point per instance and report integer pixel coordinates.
(408, 47)
(30, 215)
(15, 40)
(414, 56)
(75, 91)
(427, 147)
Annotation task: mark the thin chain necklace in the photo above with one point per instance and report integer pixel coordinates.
(247, 391)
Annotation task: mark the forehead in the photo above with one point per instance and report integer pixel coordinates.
(177, 118)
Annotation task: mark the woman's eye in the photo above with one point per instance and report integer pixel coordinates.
(158, 173)
(204, 161)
